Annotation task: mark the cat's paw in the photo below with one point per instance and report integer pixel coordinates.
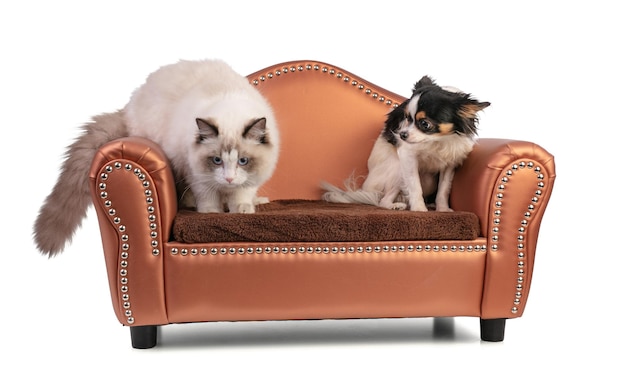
(245, 208)
(444, 209)
(261, 200)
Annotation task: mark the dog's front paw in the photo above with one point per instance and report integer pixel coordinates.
(398, 206)
(442, 206)
(421, 207)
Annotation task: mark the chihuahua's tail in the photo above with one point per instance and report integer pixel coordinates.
(350, 194)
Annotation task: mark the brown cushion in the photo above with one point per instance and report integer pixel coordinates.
(320, 221)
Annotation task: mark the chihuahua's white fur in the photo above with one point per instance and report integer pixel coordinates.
(406, 174)
(399, 177)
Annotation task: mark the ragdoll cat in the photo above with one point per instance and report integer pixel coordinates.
(217, 130)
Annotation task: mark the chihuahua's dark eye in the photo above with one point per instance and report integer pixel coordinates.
(424, 125)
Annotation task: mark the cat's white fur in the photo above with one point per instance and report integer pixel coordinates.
(218, 131)
(165, 109)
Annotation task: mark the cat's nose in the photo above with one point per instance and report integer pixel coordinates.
(229, 180)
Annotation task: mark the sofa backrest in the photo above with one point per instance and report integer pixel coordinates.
(328, 119)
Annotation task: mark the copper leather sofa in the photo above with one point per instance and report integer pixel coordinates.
(329, 119)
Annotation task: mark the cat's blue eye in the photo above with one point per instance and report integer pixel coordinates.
(243, 161)
(217, 160)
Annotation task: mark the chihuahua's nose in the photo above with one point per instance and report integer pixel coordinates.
(404, 135)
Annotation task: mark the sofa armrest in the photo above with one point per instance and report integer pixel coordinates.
(507, 183)
(134, 196)
(478, 181)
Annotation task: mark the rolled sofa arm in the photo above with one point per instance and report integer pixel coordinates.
(507, 183)
(134, 196)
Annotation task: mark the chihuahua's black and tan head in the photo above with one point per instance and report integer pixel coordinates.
(433, 112)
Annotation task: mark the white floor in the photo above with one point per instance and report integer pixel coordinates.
(310, 352)
(59, 325)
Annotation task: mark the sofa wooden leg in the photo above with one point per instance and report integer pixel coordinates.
(143, 337)
(492, 330)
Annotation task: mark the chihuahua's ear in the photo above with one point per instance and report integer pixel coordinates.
(471, 107)
(468, 112)
(425, 81)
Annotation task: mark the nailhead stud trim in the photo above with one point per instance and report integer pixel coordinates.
(175, 251)
(324, 69)
(121, 227)
(521, 166)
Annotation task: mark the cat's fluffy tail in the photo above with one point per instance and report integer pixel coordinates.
(350, 194)
(65, 208)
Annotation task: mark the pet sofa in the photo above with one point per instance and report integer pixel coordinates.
(299, 257)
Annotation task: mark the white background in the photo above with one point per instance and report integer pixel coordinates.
(553, 71)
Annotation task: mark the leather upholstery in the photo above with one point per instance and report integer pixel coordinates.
(329, 119)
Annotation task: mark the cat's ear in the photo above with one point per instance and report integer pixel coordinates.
(206, 130)
(256, 131)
